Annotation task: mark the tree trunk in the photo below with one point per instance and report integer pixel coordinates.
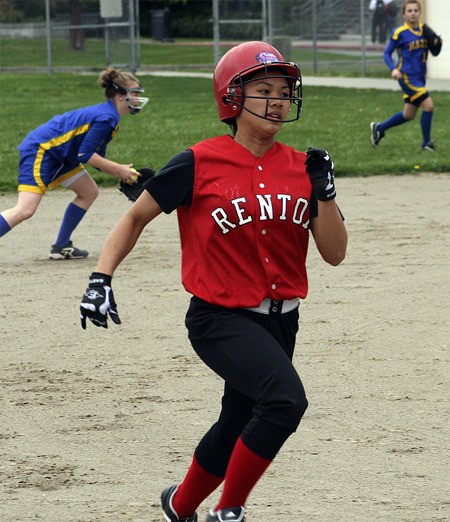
(76, 35)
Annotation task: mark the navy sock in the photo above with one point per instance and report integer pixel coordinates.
(397, 119)
(4, 227)
(425, 122)
(72, 216)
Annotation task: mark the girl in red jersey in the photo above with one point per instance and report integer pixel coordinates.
(246, 207)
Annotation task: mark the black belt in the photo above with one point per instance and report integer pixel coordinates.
(275, 307)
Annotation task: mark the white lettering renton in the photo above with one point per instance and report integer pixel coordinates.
(240, 211)
(266, 211)
(265, 206)
(284, 198)
(221, 218)
(299, 210)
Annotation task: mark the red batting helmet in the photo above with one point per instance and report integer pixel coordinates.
(238, 66)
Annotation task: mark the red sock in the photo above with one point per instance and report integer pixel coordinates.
(196, 486)
(244, 470)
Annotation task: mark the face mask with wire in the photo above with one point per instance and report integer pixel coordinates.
(135, 103)
(236, 90)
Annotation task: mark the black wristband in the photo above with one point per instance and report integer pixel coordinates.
(324, 194)
(99, 279)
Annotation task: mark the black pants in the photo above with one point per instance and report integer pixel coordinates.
(263, 399)
(379, 23)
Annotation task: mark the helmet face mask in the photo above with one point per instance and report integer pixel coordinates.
(239, 66)
(135, 103)
(236, 95)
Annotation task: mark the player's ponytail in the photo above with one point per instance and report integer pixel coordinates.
(114, 80)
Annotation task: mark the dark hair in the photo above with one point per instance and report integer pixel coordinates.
(406, 2)
(233, 125)
(113, 80)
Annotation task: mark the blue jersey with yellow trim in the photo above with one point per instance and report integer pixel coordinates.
(74, 136)
(412, 50)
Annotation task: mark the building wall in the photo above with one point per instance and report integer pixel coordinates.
(436, 13)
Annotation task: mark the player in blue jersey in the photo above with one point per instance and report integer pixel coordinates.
(54, 154)
(412, 40)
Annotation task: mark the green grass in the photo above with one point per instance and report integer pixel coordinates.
(184, 55)
(181, 112)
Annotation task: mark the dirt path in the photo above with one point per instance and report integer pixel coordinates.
(93, 424)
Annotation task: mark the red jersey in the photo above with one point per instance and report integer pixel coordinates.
(245, 235)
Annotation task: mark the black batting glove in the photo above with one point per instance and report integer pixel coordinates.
(98, 302)
(320, 168)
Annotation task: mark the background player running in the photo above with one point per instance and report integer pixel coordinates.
(412, 40)
(54, 153)
(246, 206)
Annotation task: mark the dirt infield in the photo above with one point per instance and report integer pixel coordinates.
(93, 424)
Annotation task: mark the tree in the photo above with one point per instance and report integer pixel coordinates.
(76, 35)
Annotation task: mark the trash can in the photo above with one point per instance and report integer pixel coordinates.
(161, 28)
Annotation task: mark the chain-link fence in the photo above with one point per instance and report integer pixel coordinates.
(328, 37)
(68, 34)
(324, 36)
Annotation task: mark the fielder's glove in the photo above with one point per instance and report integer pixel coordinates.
(434, 41)
(320, 169)
(98, 302)
(132, 192)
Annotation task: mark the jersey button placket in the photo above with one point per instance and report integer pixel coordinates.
(264, 231)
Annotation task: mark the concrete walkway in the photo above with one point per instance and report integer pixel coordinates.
(323, 81)
(371, 83)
